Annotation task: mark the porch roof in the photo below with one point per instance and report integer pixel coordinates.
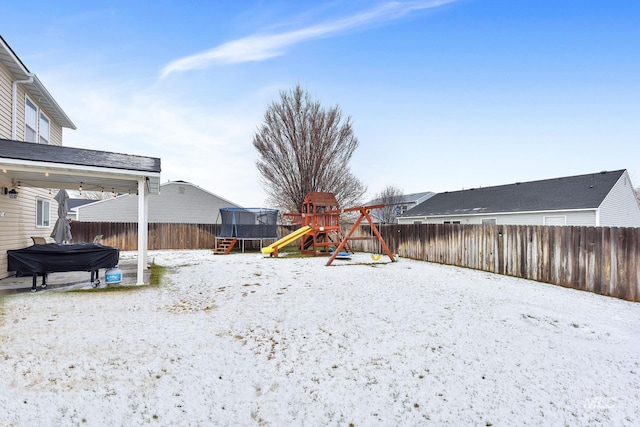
(55, 166)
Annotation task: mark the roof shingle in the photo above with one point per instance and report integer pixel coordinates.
(574, 192)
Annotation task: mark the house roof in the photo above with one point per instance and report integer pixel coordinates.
(55, 166)
(74, 203)
(181, 182)
(35, 86)
(166, 184)
(405, 198)
(568, 193)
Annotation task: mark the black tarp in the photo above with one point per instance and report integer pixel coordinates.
(53, 257)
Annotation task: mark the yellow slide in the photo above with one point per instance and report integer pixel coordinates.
(286, 240)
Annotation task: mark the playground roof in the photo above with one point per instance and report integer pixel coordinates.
(317, 198)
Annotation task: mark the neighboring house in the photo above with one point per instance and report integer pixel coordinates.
(403, 204)
(598, 199)
(73, 204)
(34, 164)
(178, 202)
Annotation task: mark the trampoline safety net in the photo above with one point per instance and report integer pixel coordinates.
(249, 223)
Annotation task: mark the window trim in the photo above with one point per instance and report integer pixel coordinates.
(43, 212)
(28, 103)
(550, 218)
(42, 116)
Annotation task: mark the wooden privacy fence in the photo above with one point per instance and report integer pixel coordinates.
(124, 235)
(603, 260)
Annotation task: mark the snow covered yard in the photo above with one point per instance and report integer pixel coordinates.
(247, 340)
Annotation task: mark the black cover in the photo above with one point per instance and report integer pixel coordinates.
(54, 257)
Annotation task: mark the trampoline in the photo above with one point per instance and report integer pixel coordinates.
(255, 224)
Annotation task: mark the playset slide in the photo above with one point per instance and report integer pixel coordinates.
(286, 240)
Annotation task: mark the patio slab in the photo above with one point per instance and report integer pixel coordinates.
(71, 280)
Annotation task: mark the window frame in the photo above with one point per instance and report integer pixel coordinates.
(546, 219)
(43, 212)
(43, 117)
(28, 103)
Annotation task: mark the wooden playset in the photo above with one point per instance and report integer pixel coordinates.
(320, 232)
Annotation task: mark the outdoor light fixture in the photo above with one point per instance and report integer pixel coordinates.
(80, 188)
(19, 186)
(13, 194)
(46, 174)
(4, 171)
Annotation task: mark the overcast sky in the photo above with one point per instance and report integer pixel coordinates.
(444, 95)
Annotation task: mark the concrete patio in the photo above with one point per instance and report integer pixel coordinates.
(70, 280)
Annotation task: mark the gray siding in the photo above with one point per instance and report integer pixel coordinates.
(178, 202)
(620, 207)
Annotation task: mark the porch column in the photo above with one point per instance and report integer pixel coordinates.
(142, 231)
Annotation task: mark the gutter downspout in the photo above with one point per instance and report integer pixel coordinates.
(14, 105)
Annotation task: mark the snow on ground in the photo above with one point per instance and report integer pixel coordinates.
(246, 340)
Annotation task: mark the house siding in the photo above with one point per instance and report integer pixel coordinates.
(177, 203)
(6, 106)
(55, 129)
(620, 207)
(5, 102)
(55, 136)
(19, 221)
(586, 218)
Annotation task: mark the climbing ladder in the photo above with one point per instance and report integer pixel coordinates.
(225, 246)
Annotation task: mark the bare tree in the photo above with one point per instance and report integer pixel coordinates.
(303, 147)
(391, 196)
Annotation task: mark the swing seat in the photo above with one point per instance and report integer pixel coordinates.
(375, 257)
(341, 254)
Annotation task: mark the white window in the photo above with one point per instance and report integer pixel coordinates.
(30, 121)
(555, 220)
(489, 221)
(43, 213)
(44, 129)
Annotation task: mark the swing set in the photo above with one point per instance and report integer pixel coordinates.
(365, 212)
(320, 229)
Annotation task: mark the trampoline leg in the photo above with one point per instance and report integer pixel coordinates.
(34, 288)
